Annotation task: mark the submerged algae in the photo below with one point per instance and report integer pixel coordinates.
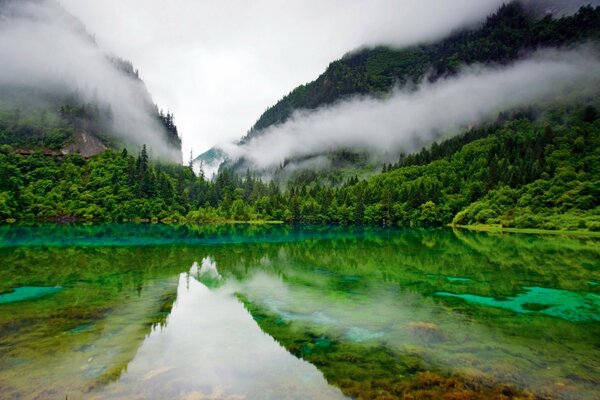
(373, 371)
(360, 306)
(568, 305)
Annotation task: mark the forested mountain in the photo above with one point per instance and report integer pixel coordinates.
(65, 95)
(519, 171)
(516, 30)
(534, 166)
(504, 37)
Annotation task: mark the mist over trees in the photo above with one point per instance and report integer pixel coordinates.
(520, 172)
(383, 100)
(533, 164)
(55, 81)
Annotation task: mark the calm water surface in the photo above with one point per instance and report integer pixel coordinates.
(157, 312)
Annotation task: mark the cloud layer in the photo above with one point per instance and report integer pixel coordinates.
(42, 47)
(219, 64)
(409, 119)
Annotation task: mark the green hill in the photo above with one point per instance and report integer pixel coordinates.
(516, 29)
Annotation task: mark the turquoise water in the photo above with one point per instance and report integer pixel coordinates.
(27, 293)
(568, 305)
(267, 312)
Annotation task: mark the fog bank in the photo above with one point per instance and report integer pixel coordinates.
(411, 118)
(45, 49)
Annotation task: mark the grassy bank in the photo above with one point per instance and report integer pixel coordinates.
(501, 229)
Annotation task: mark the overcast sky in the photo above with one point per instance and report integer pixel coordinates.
(218, 64)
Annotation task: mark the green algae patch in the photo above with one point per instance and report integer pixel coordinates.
(565, 304)
(28, 293)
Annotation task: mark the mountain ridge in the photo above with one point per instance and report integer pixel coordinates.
(411, 63)
(516, 28)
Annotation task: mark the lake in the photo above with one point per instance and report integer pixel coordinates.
(275, 312)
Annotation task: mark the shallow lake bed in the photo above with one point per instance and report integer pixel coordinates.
(272, 312)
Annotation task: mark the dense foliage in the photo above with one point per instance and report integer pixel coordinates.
(518, 172)
(504, 37)
(535, 168)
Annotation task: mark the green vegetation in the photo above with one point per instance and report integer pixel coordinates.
(520, 172)
(361, 305)
(52, 126)
(537, 168)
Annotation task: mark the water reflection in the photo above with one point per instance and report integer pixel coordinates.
(206, 273)
(211, 348)
(282, 313)
(76, 340)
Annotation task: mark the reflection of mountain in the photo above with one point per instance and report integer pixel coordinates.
(79, 339)
(358, 305)
(212, 348)
(371, 339)
(362, 310)
(363, 367)
(85, 335)
(421, 261)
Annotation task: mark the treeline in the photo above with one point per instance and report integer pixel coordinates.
(505, 36)
(118, 187)
(520, 172)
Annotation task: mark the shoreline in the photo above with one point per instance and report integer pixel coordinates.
(473, 228)
(524, 231)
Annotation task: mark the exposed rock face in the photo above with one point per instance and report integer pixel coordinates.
(85, 144)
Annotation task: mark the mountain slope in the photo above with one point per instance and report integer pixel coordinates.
(504, 37)
(514, 31)
(538, 169)
(64, 92)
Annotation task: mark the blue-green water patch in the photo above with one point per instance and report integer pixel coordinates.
(322, 342)
(125, 235)
(568, 305)
(81, 328)
(457, 279)
(592, 283)
(27, 293)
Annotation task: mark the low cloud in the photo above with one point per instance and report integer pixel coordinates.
(45, 51)
(410, 118)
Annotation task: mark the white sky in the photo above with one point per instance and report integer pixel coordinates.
(218, 64)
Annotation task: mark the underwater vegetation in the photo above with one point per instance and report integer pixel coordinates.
(369, 314)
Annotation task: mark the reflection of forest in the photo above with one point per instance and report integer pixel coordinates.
(422, 261)
(212, 348)
(382, 283)
(85, 335)
(380, 289)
